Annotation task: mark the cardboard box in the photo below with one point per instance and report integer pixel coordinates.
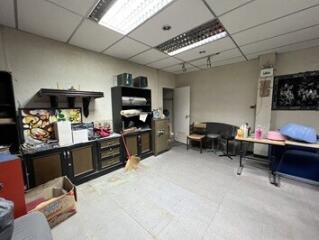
(55, 199)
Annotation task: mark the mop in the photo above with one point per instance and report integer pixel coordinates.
(132, 161)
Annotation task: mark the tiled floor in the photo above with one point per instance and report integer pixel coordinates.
(186, 195)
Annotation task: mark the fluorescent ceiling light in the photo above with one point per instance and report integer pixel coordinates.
(203, 34)
(197, 44)
(125, 15)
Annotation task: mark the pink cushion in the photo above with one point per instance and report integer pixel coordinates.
(276, 136)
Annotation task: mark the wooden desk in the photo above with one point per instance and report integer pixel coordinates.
(270, 143)
(259, 141)
(300, 144)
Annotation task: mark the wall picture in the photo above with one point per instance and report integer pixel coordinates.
(37, 124)
(296, 92)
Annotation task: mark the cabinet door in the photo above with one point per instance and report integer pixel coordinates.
(145, 142)
(46, 168)
(131, 142)
(82, 161)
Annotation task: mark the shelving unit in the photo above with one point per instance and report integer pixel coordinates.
(117, 106)
(139, 142)
(8, 119)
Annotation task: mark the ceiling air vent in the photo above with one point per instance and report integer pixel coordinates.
(205, 33)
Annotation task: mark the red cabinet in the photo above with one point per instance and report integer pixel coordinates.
(11, 182)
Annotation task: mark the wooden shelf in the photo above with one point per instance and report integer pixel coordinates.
(70, 95)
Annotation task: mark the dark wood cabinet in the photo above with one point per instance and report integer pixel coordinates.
(80, 162)
(46, 167)
(139, 143)
(109, 153)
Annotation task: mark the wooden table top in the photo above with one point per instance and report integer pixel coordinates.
(279, 143)
(261, 141)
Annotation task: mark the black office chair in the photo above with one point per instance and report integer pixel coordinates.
(225, 140)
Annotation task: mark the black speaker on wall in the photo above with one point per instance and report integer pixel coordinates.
(140, 82)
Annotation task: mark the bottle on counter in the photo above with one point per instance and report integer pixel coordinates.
(258, 133)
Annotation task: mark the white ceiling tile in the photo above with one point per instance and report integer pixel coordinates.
(287, 48)
(220, 57)
(81, 7)
(126, 48)
(287, 24)
(46, 19)
(148, 56)
(298, 36)
(225, 62)
(261, 11)
(182, 15)
(210, 48)
(93, 36)
(298, 46)
(165, 63)
(7, 13)
(220, 7)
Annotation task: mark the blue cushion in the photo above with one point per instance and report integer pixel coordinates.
(299, 132)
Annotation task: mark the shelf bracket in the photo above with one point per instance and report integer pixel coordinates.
(86, 103)
(54, 101)
(71, 102)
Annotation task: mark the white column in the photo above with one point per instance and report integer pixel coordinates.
(264, 99)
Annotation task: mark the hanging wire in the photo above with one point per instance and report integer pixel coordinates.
(209, 62)
(184, 67)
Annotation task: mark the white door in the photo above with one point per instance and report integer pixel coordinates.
(181, 113)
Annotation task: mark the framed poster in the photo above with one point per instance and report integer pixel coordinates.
(296, 92)
(37, 124)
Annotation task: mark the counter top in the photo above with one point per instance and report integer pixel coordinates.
(56, 146)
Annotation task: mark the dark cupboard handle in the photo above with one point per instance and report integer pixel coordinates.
(1, 187)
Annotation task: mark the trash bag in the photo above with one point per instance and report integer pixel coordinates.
(6, 219)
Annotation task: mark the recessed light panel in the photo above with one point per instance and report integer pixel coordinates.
(125, 15)
(196, 37)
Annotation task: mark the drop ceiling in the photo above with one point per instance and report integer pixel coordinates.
(255, 27)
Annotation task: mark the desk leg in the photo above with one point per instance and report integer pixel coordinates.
(241, 166)
(272, 177)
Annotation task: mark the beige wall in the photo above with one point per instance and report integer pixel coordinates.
(36, 62)
(294, 62)
(223, 94)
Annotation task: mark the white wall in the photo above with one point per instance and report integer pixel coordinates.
(37, 62)
(223, 94)
(294, 62)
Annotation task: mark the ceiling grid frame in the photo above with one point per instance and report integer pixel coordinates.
(222, 9)
(275, 19)
(211, 10)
